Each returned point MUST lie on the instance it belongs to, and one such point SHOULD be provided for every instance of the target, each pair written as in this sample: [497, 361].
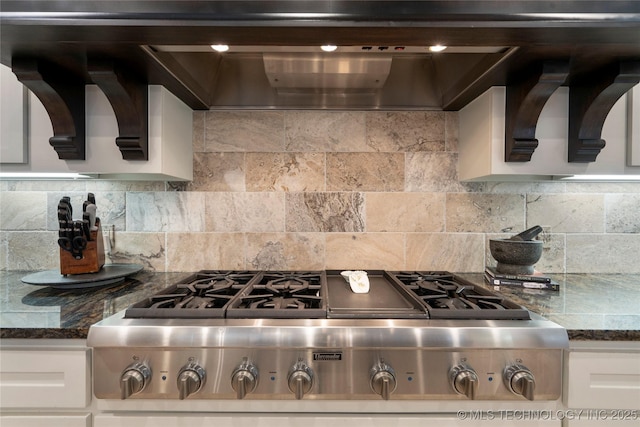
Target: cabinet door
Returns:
[312, 420]
[604, 380]
[44, 379]
[603, 420]
[51, 420]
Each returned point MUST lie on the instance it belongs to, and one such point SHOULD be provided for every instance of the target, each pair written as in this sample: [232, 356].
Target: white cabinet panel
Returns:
[602, 380]
[44, 379]
[13, 118]
[48, 420]
[633, 123]
[604, 421]
[347, 420]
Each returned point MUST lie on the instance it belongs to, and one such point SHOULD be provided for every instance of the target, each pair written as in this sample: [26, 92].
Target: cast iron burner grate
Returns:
[205, 294]
[282, 295]
[447, 296]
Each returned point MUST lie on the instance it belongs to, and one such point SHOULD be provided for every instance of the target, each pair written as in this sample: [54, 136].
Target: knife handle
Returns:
[91, 210]
[86, 227]
[66, 202]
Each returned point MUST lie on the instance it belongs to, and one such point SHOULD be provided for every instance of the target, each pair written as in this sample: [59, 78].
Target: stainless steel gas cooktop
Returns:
[305, 334]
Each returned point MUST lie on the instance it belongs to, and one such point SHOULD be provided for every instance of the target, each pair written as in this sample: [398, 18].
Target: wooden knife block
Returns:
[92, 256]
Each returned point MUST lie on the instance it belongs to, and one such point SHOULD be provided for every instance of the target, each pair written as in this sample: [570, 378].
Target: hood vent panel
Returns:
[311, 72]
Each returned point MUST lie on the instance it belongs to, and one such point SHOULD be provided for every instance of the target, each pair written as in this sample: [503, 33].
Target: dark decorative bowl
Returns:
[515, 257]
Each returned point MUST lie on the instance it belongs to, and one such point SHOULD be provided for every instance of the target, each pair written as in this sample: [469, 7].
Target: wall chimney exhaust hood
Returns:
[351, 77]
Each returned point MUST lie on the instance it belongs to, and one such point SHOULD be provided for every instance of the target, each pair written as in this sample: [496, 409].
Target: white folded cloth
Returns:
[357, 280]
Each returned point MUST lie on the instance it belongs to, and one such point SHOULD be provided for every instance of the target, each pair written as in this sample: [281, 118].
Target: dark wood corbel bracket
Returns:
[524, 103]
[63, 98]
[589, 104]
[129, 99]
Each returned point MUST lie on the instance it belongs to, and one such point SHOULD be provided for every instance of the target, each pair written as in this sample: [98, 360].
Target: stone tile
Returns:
[328, 212]
[52, 185]
[107, 186]
[603, 253]
[567, 213]
[235, 212]
[622, 212]
[406, 131]
[578, 321]
[445, 251]
[147, 249]
[199, 118]
[524, 187]
[111, 208]
[285, 172]
[414, 212]
[365, 171]
[218, 172]
[285, 251]
[205, 251]
[170, 211]
[33, 250]
[553, 254]
[482, 213]
[603, 187]
[435, 172]
[625, 322]
[363, 251]
[451, 124]
[23, 210]
[244, 131]
[325, 131]
[3, 250]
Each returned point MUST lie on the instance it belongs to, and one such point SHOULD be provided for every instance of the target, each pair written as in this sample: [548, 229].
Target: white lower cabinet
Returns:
[45, 383]
[48, 420]
[602, 384]
[311, 420]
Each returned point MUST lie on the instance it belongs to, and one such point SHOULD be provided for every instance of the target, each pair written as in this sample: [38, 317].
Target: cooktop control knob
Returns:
[134, 379]
[300, 379]
[244, 379]
[520, 380]
[464, 380]
[190, 380]
[383, 380]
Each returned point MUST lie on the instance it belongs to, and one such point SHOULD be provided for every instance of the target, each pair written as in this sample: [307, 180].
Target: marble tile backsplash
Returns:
[328, 189]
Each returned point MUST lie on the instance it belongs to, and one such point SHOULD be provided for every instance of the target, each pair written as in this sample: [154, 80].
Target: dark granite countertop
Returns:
[590, 306]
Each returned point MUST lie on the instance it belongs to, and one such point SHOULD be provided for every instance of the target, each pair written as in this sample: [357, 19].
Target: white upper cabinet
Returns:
[482, 145]
[170, 141]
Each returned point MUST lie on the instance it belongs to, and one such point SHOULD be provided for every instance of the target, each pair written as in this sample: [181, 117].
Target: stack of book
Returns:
[529, 281]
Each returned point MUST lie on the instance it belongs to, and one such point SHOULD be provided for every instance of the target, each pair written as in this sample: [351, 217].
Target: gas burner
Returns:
[282, 295]
[447, 296]
[205, 294]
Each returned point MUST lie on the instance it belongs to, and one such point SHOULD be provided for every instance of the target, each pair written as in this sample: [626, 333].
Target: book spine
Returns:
[501, 276]
[522, 283]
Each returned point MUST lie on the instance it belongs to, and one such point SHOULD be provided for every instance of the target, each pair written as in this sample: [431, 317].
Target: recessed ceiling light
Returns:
[329, 47]
[437, 48]
[220, 47]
